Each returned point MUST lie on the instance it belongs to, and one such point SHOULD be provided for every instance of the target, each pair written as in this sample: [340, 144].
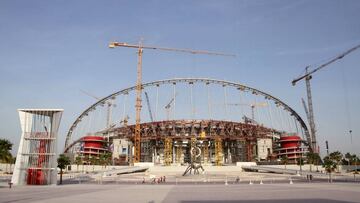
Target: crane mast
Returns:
[149, 107]
[308, 77]
[311, 111]
[137, 138]
[305, 108]
[140, 47]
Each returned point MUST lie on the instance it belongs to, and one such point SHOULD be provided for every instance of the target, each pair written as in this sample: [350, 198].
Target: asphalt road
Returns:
[267, 193]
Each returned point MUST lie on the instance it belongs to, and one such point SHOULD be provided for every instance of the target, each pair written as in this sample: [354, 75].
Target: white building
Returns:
[36, 162]
[264, 148]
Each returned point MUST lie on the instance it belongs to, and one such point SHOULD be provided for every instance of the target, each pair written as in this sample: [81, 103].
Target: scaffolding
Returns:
[206, 151]
[179, 152]
[168, 152]
[213, 140]
[218, 151]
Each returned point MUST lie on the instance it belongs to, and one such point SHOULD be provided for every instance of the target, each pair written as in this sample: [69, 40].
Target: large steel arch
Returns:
[206, 81]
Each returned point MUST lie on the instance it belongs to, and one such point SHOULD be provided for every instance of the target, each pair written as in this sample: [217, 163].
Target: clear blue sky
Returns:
[51, 49]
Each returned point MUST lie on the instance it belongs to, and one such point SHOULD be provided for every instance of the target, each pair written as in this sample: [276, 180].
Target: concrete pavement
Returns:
[268, 193]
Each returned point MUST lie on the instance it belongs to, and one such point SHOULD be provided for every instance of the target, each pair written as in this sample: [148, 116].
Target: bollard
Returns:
[250, 183]
[10, 184]
[291, 182]
[261, 182]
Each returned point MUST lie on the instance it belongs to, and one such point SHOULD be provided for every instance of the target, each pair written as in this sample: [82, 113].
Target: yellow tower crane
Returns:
[140, 47]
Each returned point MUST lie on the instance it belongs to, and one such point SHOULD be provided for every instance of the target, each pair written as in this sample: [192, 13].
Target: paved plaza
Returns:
[212, 176]
[266, 193]
[227, 186]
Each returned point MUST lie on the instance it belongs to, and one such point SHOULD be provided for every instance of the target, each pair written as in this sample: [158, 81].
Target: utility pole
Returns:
[327, 147]
[140, 47]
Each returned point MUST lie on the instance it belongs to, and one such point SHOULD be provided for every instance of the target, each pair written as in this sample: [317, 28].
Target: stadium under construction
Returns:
[175, 141]
[195, 122]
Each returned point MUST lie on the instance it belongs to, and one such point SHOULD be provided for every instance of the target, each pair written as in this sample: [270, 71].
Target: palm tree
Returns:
[317, 161]
[86, 161]
[312, 158]
[284, 160]
[5, 155]
[357, 160]
[336, 157]
[78, 161]
[63, 161]
[329, 165]
[350, 159]
[300, 162]
[5, 148]
[105, 159]
[347, 160]
[94, 161]
[108, 157]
